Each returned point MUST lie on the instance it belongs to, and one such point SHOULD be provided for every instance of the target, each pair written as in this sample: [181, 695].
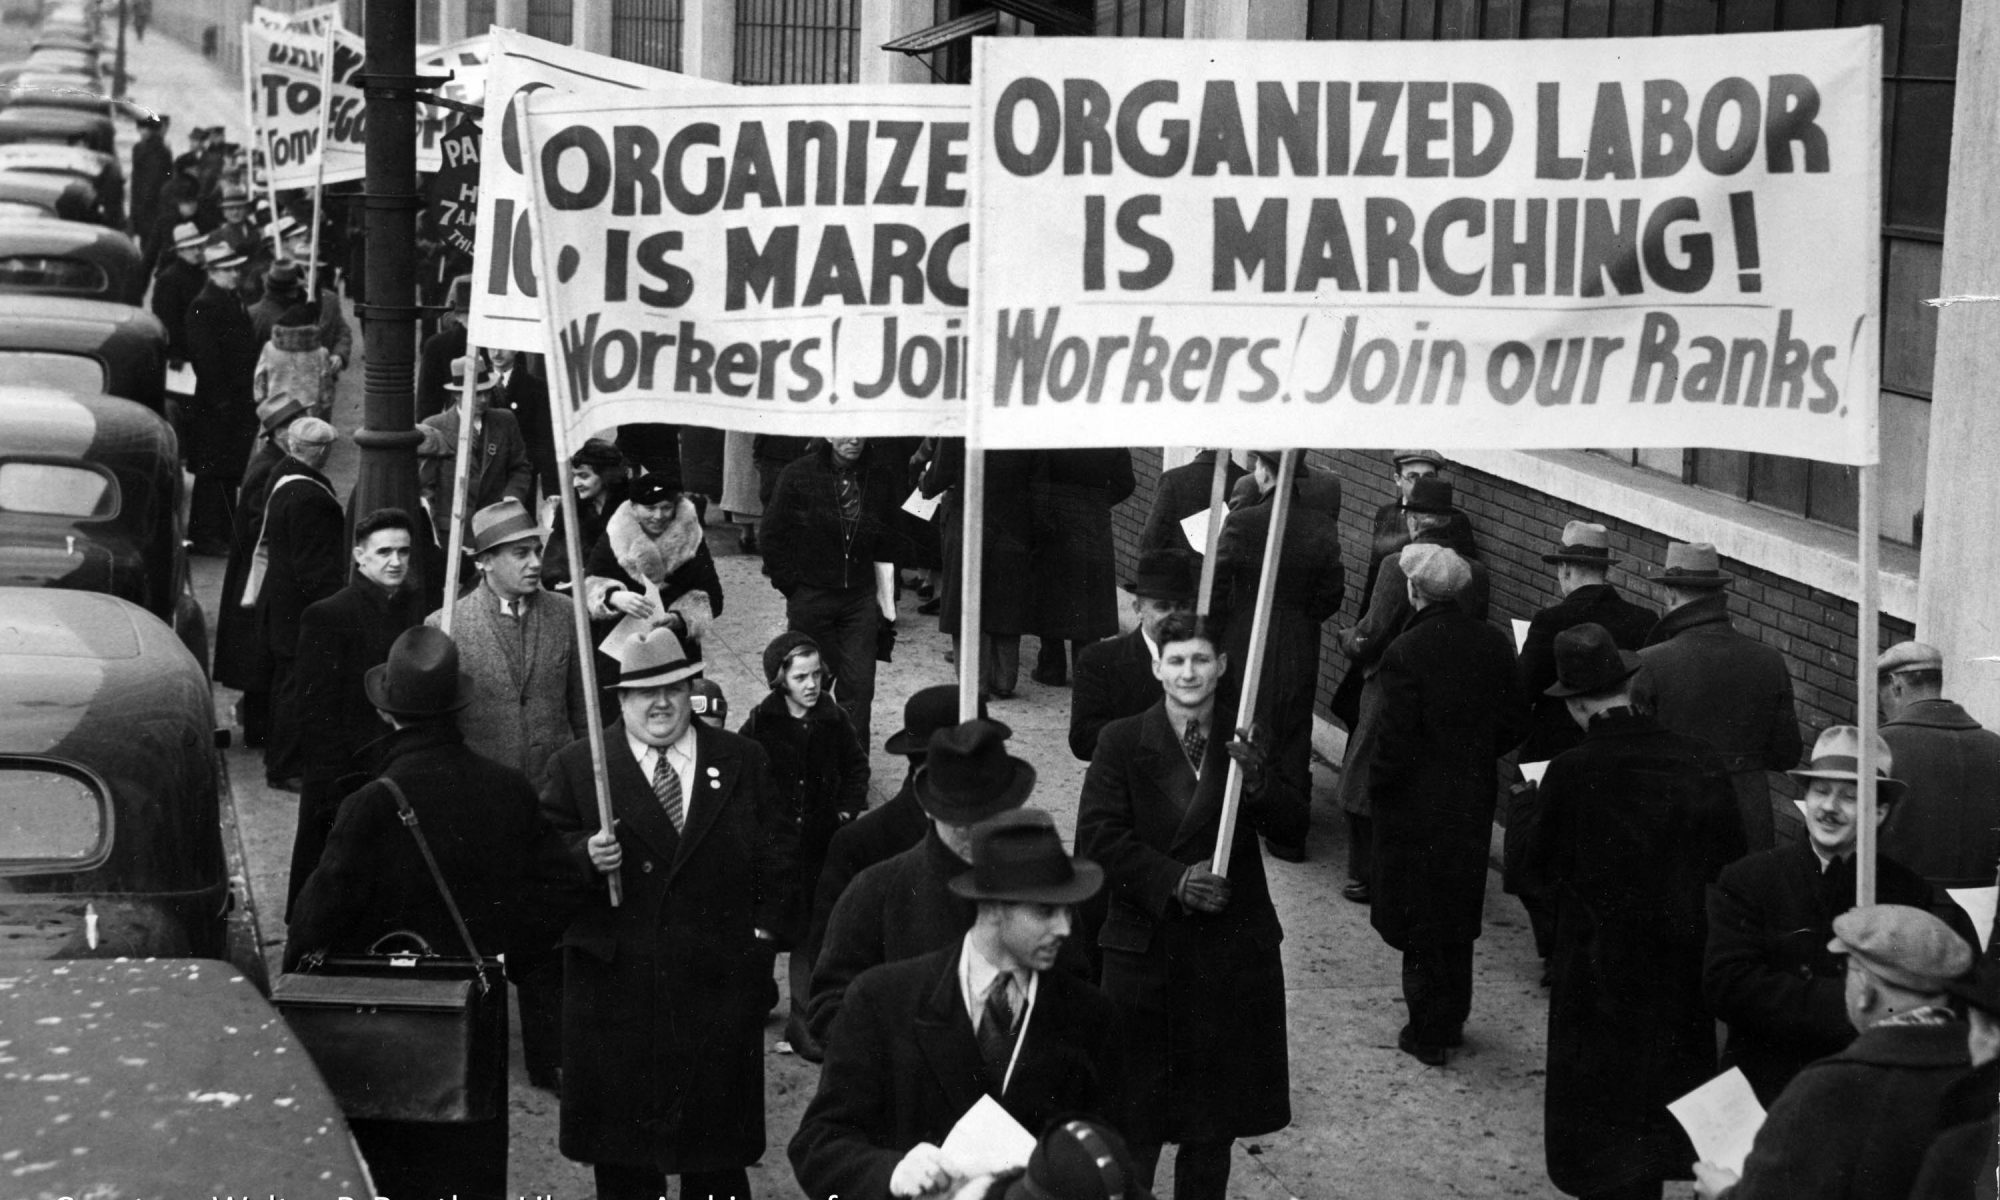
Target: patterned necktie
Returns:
[996, 1028]
[667, 786]
[1195, 742]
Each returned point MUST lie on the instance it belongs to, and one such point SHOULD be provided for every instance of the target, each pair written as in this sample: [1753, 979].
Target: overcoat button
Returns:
[647, 866]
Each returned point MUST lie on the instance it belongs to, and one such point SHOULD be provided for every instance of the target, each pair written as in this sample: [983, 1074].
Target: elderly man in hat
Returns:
[303, 535]
[919, 1042]
[1431, 519]
[1964, 1159]
[1766, 972]
[1636, 823]
[1947, 827]
[1190, 955]
[1114, 677]
[500, 466]
[1182, 492]
[1855, 1125]
[220, 419]
[490, 843]
[662, 1038]
[903, 906]
[1703, 677]
[180, 280]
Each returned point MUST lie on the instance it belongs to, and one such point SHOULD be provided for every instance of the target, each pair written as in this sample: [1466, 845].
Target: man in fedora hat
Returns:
[662, 1009]
[1114, 677]
[220, 419]
[1189, 955]
[904, 906]
[1182, 492]
[1701, 676]
[179, 281]
[1430, 518]
[500, 465]
[1635, 823]
[1582, 560]
[1766, 971]
[1856, 1124]
[494, 850]
[919, 1042]
[1947, 827]
[303, 532]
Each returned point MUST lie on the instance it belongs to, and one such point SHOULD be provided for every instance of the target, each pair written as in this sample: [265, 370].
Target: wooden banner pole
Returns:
[1253, 671]
[319, 172]
[1867, 622]
[972, 560]
[461, 484]
[560, 405]
[1218, 501]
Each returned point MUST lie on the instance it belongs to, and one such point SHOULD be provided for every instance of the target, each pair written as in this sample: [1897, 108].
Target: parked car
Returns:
[164, 1077]
[26, 193]
[83, 346]
[96, 168]
[67, 258]
[114, 841]
[31, 120]
[90, 499]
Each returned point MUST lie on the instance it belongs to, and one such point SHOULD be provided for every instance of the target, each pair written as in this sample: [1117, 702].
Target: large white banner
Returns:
[782, 260]
[505, 310]
[1639, 242]
[465, 62]
[298, 81]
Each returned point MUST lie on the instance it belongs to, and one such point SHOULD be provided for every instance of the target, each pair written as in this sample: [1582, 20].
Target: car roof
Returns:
[41, 156]
[63, 120]
[164, 1077]
[70, 659]
[64, 323]
[83, 425]
[39, 235]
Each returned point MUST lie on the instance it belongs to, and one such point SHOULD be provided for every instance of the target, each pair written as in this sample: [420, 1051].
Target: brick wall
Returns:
[1516, 525]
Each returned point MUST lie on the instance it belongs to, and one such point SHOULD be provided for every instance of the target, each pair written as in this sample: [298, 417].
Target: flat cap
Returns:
[1904, 946]
[1909, 656]
[1436, 571]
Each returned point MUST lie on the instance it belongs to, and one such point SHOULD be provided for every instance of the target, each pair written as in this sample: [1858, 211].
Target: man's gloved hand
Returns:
[1251, 749]
[922, 1170]
[1202, 890]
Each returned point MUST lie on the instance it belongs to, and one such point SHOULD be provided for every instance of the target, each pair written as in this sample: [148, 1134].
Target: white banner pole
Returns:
[1218, 501]
[1867, 622]
[461, 483]
[972, 565]
[1253, 671]
[319, 171]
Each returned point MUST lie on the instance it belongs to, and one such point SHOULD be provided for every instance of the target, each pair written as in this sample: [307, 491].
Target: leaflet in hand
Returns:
[920, 506]
[1722, 1118]
[1978, 904]
[987, 1140]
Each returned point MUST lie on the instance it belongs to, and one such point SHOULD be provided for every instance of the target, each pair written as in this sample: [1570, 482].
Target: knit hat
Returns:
[781, 649]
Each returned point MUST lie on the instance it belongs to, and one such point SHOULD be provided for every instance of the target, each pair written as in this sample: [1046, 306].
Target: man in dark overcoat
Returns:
[152, 166]
[341, 639]
[663, 1006]
[1451, 706]
[302, 531]
[1114, 677]
[1310, 585]
[1855, 1125]
[919, 1042]
[1189, 955]
[220, 420]
[904, 907]
[1766, 971]
[1947, 827]
[1430, 517]
[1636, 823]
[500, 465]
[1700, 676]
[179, 281]
[1180, 493]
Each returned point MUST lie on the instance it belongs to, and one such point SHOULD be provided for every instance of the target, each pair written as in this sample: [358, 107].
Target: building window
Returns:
[427, 21]
[1141, 18]
[1920, 63]
[647, 32]
[478, 16]
[796, 41]
[550, 20]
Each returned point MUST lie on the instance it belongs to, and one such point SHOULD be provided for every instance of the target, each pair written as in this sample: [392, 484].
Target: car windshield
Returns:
[48, 817]
[56, 489]
[49, 368]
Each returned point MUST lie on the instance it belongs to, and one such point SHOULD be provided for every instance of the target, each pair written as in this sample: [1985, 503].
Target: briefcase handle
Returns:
[409, 816]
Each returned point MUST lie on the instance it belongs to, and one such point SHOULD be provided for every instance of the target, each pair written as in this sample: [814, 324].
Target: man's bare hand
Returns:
[605, 853]
[1203, 890]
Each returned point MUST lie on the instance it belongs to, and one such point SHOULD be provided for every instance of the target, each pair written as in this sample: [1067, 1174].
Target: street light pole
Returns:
[118, 74]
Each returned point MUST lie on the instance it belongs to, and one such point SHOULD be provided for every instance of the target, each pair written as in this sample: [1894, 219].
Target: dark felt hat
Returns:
[1584, 542]
[927, 711]
[1078, 1160]
[1165, 575]
[1589, 662]
[1430, 495]
[1018, 857]
[501, 522]
[597, 454]
[968, 775]
[656, 488]
[1692, 565]
[420, 678]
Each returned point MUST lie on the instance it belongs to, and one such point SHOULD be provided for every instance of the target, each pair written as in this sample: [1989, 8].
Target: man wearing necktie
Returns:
[662, 1037]
[919, 1042]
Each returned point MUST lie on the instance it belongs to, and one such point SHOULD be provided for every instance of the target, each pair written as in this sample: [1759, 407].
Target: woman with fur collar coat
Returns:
[655, 537]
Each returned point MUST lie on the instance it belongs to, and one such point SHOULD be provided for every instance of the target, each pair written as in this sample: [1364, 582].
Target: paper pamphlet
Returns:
[1194, 527]
[1978, 904]
[920, 506]
[1520, 636]
[987, 1139]
[1722, 1118]
[629, 627]
[180, 380]
[1533, 772]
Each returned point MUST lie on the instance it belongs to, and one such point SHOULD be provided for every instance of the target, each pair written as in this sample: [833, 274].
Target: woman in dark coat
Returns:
[1075, 568]
[821, 777]
[601, 480]
[1006, 601]
[220, 420]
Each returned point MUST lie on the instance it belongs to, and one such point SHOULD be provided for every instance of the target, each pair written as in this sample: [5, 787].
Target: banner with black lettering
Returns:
[298, 82]
[784, 260]
[465, 63]
[1639, 242]
[506, 311]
